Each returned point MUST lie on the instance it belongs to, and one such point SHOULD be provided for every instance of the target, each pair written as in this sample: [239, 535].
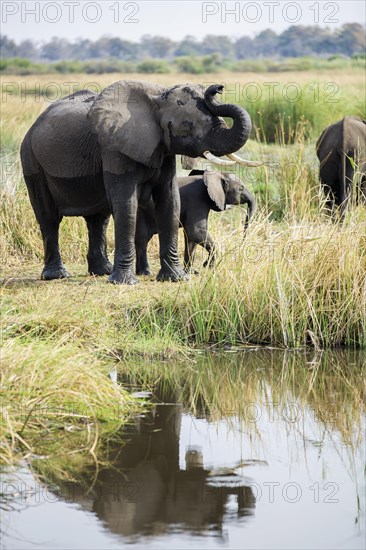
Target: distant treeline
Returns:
[296, 41]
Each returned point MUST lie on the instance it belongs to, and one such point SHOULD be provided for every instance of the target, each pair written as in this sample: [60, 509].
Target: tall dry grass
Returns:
[287, 286]
[289, 283]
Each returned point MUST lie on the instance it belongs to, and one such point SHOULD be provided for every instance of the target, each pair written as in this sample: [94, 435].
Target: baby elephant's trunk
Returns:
[248, 199]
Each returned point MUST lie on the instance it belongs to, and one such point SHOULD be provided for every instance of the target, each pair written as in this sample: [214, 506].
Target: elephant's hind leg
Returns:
[209, 245]
[197, 233]
[142, 238]
[49, 219]
[98, 262]
[142, 263]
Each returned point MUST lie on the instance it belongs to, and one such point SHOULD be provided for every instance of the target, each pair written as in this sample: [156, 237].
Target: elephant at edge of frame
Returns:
[341, 150]
[94, 155]
[200, 192]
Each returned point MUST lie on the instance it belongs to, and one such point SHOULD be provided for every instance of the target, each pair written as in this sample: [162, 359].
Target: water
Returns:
[259, 450]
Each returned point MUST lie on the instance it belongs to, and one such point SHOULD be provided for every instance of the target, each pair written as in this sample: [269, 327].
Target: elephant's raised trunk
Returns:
[223, 140]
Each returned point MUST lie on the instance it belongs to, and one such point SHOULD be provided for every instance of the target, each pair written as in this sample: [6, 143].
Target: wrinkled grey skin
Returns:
[340, 141]
[94, 155]
[200, 192]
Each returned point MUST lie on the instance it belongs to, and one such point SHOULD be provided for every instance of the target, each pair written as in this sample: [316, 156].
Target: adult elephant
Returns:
[200, 192]
[341, 150]
[94, 155]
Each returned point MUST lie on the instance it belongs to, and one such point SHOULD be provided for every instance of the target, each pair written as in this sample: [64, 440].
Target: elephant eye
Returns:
[179, 102]
[188, 124]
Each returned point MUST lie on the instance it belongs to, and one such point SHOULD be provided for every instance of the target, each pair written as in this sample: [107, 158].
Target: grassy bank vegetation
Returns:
[185, 64]
[296, 280]
[55, 401]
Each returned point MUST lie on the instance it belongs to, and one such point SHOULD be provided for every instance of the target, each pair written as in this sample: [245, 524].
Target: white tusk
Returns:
[217, 160]
[244, 162]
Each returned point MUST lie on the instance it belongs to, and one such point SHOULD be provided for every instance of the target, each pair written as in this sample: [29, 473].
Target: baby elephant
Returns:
[200, 192]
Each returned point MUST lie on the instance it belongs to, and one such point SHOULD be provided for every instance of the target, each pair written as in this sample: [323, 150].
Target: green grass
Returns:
[283, 113]
[208, 64]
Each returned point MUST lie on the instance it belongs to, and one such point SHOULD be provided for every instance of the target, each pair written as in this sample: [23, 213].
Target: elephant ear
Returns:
[215, 188]
[123, 117]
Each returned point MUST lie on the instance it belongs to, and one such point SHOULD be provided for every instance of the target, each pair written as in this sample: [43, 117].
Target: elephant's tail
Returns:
[30, 165]
[347, 173]
[342, 196]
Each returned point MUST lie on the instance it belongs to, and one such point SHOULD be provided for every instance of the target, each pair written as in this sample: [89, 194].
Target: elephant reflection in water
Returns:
[145, 491]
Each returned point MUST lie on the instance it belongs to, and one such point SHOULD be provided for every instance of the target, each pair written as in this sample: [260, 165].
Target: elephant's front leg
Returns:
[122, 197]
[167, 208]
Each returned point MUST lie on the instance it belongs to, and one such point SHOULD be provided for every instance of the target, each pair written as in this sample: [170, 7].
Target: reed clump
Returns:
[288, 286]
[57, 399]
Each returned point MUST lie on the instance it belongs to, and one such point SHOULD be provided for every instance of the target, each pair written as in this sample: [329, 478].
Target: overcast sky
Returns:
[41, 20]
